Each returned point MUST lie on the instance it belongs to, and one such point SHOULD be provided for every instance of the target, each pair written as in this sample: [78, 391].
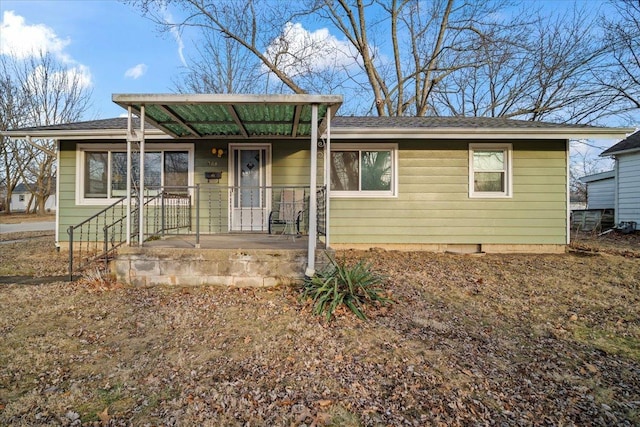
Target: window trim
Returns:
[392, 147]
[507, 148]
[81, 149]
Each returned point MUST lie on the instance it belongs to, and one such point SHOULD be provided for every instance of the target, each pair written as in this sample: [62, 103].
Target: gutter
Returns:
[80, 134]
[616, 153]
[479, 133]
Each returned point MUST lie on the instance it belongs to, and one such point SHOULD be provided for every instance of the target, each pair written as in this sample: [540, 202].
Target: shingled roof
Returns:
[116, 123]
[119, 123]
[630, 143]
[353, 125]
[446, 122]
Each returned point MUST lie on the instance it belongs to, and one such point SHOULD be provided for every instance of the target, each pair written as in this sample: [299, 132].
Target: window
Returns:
[363, 170]
[490, 170]
[21, 197]
[104, 170]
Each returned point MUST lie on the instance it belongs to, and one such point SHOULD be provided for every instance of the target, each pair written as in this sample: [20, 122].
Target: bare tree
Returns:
[220, 66]
[585, 161]
[41, 91]
[12, 153]
[403, 57]
[622, 34]
[541, 71]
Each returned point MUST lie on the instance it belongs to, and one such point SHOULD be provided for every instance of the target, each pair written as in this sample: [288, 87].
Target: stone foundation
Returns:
[228, 267]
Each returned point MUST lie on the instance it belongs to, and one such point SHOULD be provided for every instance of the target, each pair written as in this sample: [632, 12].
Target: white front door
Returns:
[250, 197]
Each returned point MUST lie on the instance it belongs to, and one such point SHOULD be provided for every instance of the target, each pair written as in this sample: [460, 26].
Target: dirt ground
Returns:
[18, 217]
[471, 340]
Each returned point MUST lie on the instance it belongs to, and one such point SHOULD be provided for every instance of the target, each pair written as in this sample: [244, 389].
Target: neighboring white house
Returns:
[600, 190]
[21, 196]
[626, 154]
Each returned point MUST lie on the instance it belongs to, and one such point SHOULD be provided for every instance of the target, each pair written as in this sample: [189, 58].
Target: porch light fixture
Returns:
[217, 152]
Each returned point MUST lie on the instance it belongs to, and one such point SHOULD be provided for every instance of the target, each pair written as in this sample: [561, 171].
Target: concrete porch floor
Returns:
[234, 241]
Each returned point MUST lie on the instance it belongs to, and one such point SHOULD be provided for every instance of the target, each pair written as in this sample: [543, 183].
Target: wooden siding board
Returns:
[628, 208]
[601, 194]
[432, 208]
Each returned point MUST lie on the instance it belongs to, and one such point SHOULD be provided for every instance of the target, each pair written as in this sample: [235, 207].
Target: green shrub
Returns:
[339, 284]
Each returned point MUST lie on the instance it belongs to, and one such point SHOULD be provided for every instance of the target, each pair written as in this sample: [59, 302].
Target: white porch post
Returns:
[313, 198]
[141, 181]
[327, 177]
[129, 164]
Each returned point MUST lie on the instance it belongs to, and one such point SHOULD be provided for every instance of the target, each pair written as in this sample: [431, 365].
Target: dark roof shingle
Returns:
[116, 123]
[120, 123]
[446, 122]
[632, 142]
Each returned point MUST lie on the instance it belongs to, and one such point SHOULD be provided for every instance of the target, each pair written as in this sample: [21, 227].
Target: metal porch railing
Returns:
[100, 235]
[203, 208]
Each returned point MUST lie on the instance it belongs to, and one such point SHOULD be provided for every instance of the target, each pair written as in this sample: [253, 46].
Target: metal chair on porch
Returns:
[288, 211]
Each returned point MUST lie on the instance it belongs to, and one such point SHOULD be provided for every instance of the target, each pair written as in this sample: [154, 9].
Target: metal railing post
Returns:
[162, 219]
[70, 232]
[198, 216]
[106, 248]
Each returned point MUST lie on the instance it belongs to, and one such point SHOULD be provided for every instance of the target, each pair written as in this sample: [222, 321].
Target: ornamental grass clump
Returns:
[352, 286]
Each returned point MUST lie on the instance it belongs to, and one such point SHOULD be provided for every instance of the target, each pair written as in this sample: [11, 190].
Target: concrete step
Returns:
[227, 267]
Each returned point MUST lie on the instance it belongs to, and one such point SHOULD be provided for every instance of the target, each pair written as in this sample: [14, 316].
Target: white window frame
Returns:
[507, 148]
[81, 149]
[392, 147]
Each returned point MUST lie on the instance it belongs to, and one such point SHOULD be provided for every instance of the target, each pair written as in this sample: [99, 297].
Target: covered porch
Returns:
[239, 208]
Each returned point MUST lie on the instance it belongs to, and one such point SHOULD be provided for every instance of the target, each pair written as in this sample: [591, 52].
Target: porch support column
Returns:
[327, 177]
[313, 197]
[129, 164]
[141, 181]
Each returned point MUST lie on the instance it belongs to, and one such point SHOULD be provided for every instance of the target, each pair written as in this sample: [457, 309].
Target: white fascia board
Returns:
[477, 133]
[200, 98]
[597, 176]
[617, 153]
[82, 134]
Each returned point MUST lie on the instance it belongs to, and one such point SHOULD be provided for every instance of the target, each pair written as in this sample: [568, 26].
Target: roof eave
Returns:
[479, 133]
[82, 134]
[125, 99]
[608, 153]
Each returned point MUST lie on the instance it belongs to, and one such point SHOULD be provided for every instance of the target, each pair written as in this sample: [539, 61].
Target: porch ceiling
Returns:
[228, 116]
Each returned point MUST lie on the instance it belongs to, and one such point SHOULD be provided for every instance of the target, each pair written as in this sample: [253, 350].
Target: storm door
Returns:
[250, 194]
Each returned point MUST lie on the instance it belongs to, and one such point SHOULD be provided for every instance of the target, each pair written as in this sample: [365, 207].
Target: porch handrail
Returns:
[100, 235]
[92, 253]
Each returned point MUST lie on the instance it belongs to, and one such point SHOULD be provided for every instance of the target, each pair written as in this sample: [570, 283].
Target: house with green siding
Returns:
[289, 168]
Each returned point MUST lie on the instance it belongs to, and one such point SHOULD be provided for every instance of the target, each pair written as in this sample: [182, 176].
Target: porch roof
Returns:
[231, 116]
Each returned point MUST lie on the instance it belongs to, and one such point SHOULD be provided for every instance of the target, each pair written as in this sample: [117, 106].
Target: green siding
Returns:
[432, 206]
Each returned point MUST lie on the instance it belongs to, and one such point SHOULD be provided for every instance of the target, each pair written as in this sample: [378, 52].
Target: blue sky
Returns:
[115, 47]
[103, 38]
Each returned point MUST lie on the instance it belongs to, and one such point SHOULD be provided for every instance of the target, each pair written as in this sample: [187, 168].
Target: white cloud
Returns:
[136, 71]
[82, 74]
[22, 40]
[77, 77]
[175, 32]
[298, 51]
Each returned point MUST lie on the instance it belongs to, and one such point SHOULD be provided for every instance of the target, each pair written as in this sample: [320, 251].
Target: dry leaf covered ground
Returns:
[497, 339]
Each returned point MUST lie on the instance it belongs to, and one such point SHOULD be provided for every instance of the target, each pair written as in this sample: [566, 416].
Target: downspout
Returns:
[58, 195]
[141, 181]
[568, 191]
[313, 197]
[616, 183]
